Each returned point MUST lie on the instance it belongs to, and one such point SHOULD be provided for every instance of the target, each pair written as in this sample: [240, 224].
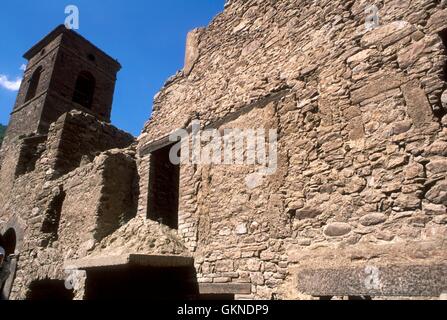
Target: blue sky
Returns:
[146, 36]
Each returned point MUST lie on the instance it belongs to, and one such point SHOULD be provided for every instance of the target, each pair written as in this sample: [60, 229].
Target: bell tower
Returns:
[65, 72]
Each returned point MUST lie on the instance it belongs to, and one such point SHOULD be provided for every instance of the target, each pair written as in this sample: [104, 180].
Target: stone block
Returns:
[404, 280]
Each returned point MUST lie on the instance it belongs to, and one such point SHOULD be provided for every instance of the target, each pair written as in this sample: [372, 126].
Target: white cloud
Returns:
[23, 67]
[8, 84]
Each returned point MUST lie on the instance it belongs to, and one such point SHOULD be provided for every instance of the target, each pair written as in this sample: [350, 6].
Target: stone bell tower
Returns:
[65, 72]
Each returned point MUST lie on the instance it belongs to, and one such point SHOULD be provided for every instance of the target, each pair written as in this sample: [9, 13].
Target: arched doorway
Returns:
[9, 242]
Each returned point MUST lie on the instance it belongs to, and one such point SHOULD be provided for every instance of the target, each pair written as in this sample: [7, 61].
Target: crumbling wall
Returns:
[65, 188]
[66, 218]
[99, 199]
[78, 138]
[119, 193]
[30, 151]
[362, 138]
[240, 229]
[65, 214]
[361, 175]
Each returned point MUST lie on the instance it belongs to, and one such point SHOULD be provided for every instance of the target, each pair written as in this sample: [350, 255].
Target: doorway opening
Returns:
[9, 241]
[142, 283]
[164, 188]
[49, 290]
[442, 110]
[443, 35]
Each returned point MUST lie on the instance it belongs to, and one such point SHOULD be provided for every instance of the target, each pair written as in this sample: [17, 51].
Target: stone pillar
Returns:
[143, 172]
[192, 50]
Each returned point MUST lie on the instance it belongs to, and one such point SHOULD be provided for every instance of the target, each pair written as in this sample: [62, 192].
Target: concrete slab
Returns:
[225, 288]
[131, 260]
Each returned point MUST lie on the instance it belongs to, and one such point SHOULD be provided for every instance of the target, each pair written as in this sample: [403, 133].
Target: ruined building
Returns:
[356, 206]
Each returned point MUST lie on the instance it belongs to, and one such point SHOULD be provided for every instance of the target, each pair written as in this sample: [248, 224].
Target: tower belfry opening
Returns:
[33, 84]
[84, 90]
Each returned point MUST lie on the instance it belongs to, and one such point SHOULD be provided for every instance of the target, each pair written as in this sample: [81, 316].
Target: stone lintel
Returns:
[155, 261]
[404, 280]
[156, 145]
[225, 288]
[162, 142]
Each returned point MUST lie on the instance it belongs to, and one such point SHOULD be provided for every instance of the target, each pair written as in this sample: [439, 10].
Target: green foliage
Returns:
[2, 132]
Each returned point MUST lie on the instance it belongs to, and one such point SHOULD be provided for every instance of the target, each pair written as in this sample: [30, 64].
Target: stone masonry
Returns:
[357, 206]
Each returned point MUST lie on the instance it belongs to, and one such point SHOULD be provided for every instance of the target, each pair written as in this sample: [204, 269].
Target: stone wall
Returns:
[76, 55]
[253, 49]
[30, 151]
[362, 138]
[361, 175]
[91, 202]
[26, 115]
[61, 56]
[79, 137]
[63, 215]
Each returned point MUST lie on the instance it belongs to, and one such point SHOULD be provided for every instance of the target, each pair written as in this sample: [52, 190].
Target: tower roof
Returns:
[61, 29]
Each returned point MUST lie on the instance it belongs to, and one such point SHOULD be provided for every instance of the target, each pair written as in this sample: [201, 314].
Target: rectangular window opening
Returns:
[164, 188]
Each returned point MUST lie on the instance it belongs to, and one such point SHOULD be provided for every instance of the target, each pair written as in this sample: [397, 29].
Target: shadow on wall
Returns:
[136, 283]
[49, 290]
[442, 111]
[9, 241]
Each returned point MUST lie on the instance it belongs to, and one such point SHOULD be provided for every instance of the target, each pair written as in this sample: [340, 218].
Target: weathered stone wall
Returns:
[64, 216]
[30, 151]
[80, 137]
[361, 176]
[97, 199]
[253, 49]
[61, 56]
[26, 115]
[362, 138]
[65, 185]
[77, 55]
[9, 158]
